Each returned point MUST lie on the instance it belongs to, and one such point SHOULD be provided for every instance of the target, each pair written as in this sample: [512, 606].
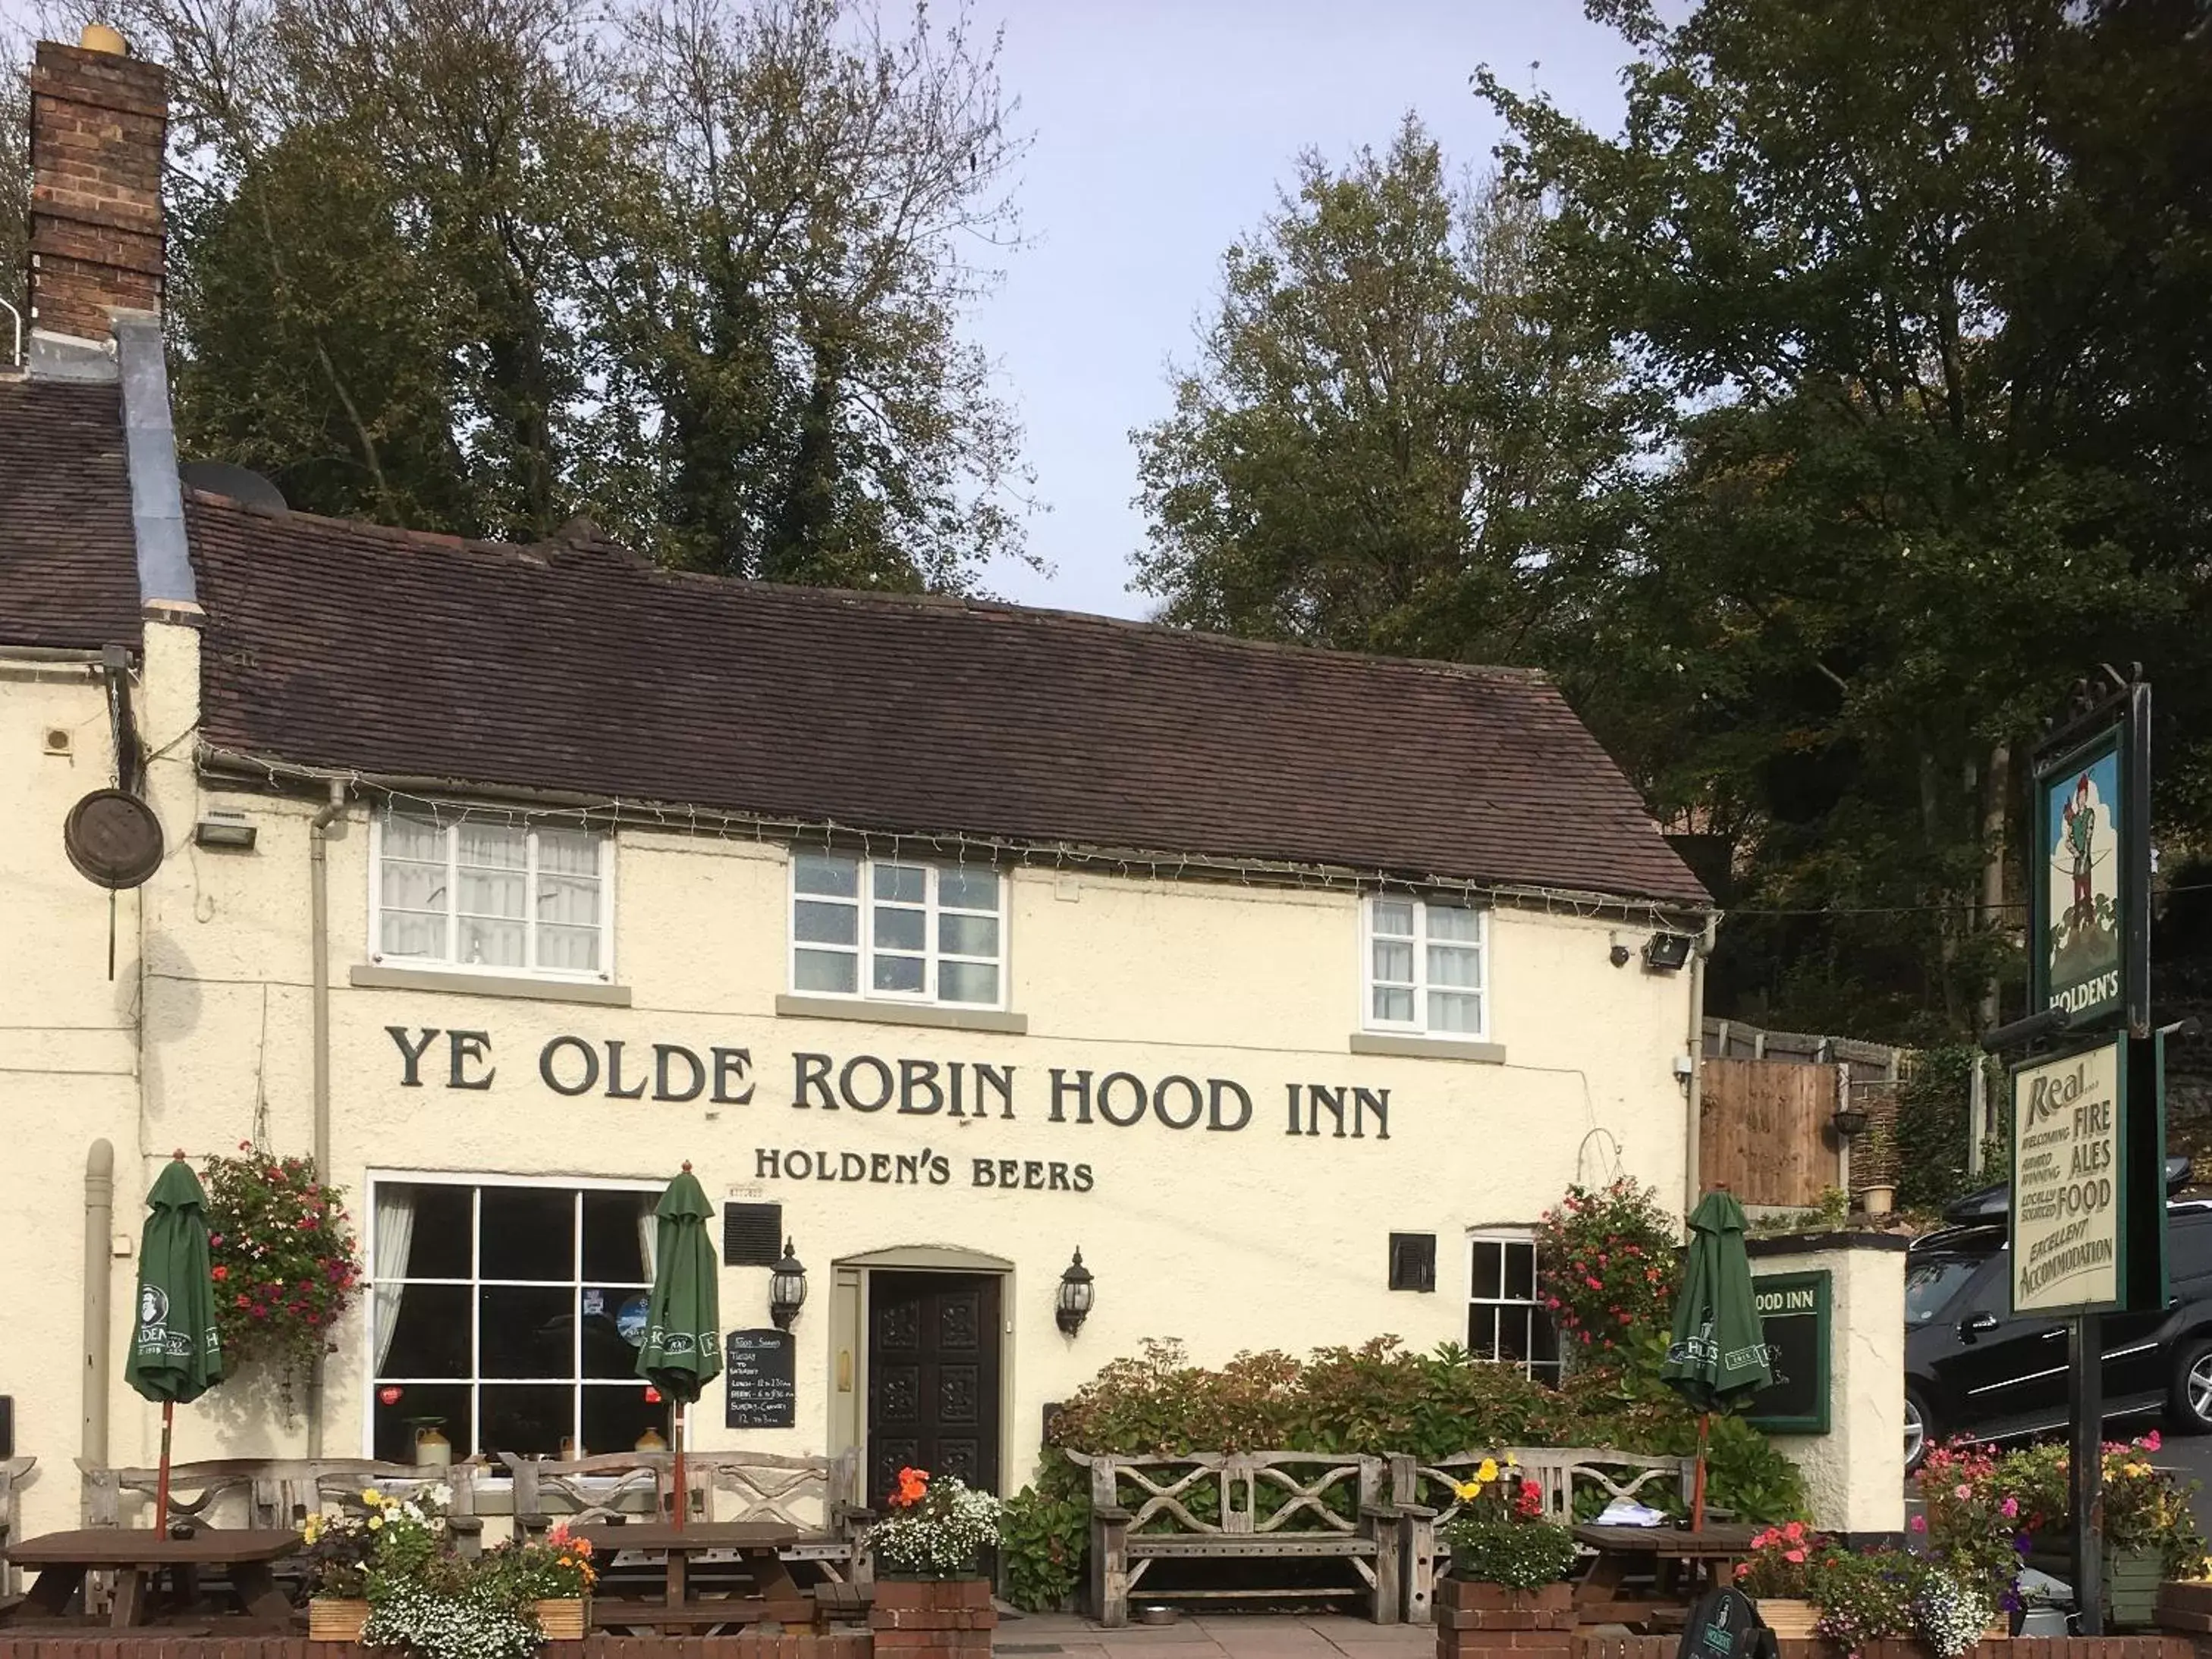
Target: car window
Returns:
[1930, 1284]
[2189, 1246]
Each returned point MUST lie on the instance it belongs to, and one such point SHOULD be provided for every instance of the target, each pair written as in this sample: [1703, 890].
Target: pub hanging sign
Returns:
[2089, 899]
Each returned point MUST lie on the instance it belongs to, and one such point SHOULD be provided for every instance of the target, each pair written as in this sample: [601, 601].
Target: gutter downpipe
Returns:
[318, 901]
[1696, 1091]
[98, 1234]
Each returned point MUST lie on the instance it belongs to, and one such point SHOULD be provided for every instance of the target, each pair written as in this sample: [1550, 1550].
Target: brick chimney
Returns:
[99, 119]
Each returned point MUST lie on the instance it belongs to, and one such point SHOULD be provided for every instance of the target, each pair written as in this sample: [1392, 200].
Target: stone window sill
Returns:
[861, 1011]
[378, 977]
[1413, 1047]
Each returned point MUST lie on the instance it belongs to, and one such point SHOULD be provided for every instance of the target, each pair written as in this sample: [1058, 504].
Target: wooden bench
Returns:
[813, 1494]
[1422, 1495]
[1240, 1506]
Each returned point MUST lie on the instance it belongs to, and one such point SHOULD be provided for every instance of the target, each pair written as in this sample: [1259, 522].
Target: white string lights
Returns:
[954, 846]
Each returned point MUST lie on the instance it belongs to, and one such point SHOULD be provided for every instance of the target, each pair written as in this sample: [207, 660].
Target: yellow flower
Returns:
[374, 1521]
[1486, 1470]
[1467, 1490]
[313, 1529]
[1511, 1461]
[370, 1496]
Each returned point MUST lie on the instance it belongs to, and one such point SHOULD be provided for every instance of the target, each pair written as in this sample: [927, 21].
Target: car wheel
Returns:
[1919, 1429]
[2190, 1406]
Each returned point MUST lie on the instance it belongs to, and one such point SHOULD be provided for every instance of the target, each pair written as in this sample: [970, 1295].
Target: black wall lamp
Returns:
[1072, 1305]
[786, 1289]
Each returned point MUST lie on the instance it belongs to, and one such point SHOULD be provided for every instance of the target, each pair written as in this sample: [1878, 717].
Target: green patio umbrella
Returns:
[683, 1321]
[175, 1354]
[1716, 1358]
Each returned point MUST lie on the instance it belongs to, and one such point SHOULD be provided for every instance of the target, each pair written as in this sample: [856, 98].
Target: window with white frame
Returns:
[494, 894]
[1506, 1321]
[509, 1315]
[879, 928]
[1426, 968]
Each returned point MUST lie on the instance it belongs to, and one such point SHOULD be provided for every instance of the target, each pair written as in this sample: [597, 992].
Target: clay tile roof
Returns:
[574, 667]
[68, 567]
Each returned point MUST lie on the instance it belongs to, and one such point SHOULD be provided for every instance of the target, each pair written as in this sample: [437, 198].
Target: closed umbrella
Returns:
[1717, 1359]
[176, 1355]
[683, 1321]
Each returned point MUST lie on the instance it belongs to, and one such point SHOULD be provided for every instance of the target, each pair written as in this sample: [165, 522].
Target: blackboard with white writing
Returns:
[759, 1390]
[1793, 1312]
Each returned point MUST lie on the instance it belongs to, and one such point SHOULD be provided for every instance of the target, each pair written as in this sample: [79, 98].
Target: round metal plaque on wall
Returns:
[114, 838]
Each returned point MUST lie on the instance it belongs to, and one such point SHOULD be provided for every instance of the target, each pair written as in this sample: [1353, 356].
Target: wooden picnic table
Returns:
[757, 1544]
[1659, 1548]
[137, 1557]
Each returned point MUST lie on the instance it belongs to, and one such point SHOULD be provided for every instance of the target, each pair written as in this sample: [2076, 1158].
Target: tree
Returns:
[14, 183]
[785, 295]
[1380, 448]
[1890, 282]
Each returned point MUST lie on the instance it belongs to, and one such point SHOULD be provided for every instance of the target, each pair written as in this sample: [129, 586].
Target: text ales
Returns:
[2069, 1126]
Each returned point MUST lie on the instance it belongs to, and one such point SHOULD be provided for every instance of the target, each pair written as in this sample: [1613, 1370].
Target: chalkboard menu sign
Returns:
[759, 1390]
[1793, 1309]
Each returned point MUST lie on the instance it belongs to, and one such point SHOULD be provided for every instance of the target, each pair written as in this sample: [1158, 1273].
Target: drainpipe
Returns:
[98, 1234]
[1697, 1036]
[318, 904]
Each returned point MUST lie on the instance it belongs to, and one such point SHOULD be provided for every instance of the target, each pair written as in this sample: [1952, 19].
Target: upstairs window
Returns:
[491, 895]
[1427, 970]
[907, 933]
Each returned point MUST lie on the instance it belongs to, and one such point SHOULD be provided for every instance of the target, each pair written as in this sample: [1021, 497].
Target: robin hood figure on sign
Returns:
[2090, 870]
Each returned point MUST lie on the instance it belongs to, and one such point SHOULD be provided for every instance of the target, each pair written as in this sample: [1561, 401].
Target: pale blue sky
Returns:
[1163, 129]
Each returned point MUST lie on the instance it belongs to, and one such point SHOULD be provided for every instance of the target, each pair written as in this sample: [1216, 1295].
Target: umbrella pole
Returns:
[1697, 1487]
[682, 1491]
[161, 1485]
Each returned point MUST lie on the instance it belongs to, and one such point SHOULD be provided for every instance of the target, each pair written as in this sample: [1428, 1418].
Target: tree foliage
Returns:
[1379, 447]
[1851, 405]
[699, 268]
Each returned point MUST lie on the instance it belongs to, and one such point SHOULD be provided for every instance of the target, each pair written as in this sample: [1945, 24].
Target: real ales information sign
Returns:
[2069, 1190]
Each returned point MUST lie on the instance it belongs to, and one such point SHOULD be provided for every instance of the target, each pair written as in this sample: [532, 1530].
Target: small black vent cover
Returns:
[752, 1235]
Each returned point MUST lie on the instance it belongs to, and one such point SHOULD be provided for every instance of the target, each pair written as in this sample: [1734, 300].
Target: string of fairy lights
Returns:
[433, 800]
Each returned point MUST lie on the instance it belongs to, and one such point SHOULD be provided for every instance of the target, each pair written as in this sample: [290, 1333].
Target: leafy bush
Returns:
[1518, 1554]
[1607, 1265]
[1375, 1399]
[1932, 1126]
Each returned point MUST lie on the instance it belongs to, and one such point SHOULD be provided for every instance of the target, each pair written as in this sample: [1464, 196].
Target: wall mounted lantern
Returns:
[786, 1289]
[1072, 1305]
[1665, 953]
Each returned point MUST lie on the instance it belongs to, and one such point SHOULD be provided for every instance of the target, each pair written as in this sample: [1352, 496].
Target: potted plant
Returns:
[1866, 1598]
[552, 1576]
[1779, 1576]
[1877, 1148]
[928, 1551]
[2150, 1533]
[336, 1551]
[1502, 1546]
[424, 1598]
[1977, 1528]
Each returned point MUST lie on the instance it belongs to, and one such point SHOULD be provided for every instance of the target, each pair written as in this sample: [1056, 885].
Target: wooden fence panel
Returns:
[1763, 1130]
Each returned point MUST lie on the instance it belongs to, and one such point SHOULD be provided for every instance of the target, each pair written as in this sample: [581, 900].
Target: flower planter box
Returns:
[564, 1620]
[2131, 1582]
[332, 1620]
[1789, 1616]
[1474, 1595]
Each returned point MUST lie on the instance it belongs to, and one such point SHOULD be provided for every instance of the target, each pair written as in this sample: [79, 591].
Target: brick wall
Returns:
[153, 1644]
[949, 1619]
[99, 122]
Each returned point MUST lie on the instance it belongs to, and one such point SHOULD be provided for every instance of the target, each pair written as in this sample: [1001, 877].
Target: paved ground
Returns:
[1219, 1636]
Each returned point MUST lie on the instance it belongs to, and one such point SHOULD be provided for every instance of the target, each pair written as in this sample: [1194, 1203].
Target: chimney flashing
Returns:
[48, 356]
[166, 591]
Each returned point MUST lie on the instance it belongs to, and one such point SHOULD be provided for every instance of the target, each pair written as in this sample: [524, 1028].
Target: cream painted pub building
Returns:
[943, 939]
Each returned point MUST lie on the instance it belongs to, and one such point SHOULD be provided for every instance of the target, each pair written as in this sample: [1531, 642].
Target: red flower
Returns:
[242, 1301]
[218, 1272]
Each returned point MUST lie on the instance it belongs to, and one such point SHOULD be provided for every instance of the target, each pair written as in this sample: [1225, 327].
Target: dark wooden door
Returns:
[933, 1378]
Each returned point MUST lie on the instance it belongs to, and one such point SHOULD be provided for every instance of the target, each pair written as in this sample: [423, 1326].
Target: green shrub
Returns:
[1375, 1399]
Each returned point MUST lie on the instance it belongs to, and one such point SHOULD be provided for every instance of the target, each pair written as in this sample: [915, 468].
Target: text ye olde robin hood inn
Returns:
[944, 939]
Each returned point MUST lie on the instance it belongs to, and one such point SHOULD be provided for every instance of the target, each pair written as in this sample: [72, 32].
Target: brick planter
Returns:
[933, 1618]
[1479, 1621]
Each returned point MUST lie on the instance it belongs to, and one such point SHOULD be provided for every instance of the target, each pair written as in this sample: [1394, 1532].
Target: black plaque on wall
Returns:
[1793, 1309]
[759, 1369]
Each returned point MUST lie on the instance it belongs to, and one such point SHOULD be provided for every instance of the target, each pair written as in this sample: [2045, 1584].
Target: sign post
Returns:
[2088, 1202]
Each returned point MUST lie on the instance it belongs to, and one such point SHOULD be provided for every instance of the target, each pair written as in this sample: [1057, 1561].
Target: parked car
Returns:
[1974, 1372]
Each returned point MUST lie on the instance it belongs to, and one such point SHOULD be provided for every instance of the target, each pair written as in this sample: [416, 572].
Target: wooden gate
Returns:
[1763, 1131]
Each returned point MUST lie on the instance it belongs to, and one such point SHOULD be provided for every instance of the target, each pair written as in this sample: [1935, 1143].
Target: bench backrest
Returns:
[587, 1490]
[261, 1492]
[1237, 1493]
[812, 1493]
[1558, 1472]
[13, 1473]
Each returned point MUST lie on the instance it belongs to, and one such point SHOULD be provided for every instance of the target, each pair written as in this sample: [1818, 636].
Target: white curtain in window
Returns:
[395, 1244]
[492, 871]
[567, 900]
[648, 1231]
